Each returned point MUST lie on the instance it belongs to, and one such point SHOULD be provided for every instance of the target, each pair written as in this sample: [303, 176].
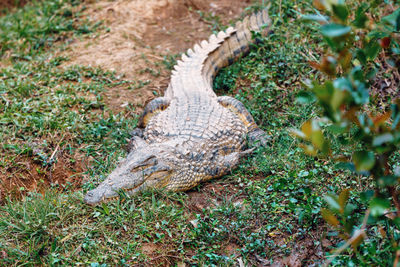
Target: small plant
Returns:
[361, 49]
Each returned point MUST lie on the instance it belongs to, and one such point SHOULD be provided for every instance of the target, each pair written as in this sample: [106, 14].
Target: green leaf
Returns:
[317, 139]
[334, 30]
[372, 49]
[332, 202]
[397, 221]
[329, 217]
[363, 160]
[395, 116]
[367, 195]
[340, 11]
[105, 209]
[345, 166]
[361, 56]
[377, 34]
[338, 97]
[360, 17]
[343, 84]
[324, 92]
[383, 138]
[349, 208]
[388, 180]
[317, 18]
[338, 128]
[371, 74]
[393, 19]
[305, 97]
[343, 197]
[360, 93]
[378, 206]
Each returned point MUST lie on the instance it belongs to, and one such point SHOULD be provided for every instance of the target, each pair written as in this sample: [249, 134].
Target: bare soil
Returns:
[6, 5]
[27, 175]
[139, 34]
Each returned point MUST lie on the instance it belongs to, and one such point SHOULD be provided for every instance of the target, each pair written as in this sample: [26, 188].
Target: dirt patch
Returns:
[198, 201]
[25, 174]
[231, 249]
[212, 194]
[157, 255]
[149, 248]
[6, 5]
[306, 250]
[139, 34]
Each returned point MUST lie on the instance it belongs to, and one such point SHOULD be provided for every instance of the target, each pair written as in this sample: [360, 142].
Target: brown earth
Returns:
[6, 5]
[26, 172]
[138, 36]
[26, 175]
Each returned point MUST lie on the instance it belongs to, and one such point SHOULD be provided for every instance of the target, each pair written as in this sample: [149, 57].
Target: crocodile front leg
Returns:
[152, 108]
[255, 134]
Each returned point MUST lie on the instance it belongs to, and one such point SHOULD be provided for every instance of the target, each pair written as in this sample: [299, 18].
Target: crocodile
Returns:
[190, 135]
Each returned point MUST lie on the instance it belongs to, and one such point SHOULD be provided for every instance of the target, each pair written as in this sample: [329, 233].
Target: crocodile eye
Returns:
[147, 163]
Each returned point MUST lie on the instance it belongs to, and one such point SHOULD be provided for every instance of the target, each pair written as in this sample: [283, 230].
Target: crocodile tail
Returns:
[236, 44]
[198, 67]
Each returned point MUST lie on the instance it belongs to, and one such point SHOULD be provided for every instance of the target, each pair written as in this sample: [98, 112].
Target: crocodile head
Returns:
[148, 166]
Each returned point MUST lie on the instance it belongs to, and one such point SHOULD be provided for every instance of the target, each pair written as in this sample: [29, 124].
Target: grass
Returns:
[266, 210]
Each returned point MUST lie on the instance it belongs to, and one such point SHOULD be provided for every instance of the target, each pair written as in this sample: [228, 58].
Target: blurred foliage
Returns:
[357, 40]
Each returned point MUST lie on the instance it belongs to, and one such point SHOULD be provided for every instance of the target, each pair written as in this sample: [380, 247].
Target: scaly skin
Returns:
[190, 135]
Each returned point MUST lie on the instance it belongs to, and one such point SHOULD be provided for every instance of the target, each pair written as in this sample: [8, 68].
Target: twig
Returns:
[55, 150]
[154, 56]
[357, 235]
[164, 256]
[396, 261]
[392, 190]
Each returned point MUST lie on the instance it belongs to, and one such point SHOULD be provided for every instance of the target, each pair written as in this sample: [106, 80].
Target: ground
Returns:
[139, 42]
[76, 75]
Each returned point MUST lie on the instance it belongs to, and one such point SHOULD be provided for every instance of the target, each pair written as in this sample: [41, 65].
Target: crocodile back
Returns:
[199, 120]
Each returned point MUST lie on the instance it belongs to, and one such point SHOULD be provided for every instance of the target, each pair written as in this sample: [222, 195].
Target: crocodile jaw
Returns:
[108, 190]
[100, 194]
[141, 169]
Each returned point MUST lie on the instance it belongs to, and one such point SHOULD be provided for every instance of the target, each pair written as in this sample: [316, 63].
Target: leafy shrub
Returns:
[360, 49]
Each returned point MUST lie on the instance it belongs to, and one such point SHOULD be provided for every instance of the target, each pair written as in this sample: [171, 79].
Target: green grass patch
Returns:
[38, 26]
